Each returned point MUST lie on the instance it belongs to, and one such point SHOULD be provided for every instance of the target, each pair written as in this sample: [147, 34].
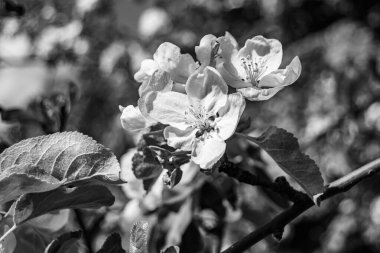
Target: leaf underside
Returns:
[32, 205]
[283, 147]
[46, 162]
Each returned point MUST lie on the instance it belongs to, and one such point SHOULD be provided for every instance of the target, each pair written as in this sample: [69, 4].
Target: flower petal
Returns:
[179, 87]
[257, 94]
[229, 115]
[204, 50]
[148, 67]
[132, 119]
[165, 107]
[185, 68]
[167, 56]
[230, 67]
[208, 149]
[170, 59]
[190, 170]
[228, 47]
[231, 76]
[159, 81]
[207, 89]
[180, 139]
[283, 77]
[232, 39]
[269, 51]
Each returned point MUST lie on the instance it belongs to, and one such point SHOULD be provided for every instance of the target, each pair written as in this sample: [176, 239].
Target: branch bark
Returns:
[281, 220]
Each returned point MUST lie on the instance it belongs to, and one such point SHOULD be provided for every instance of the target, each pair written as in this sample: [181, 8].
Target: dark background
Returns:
[334, 108]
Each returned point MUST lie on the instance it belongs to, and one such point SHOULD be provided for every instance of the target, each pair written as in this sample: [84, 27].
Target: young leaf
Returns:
[145, 166]
[65, 243]
[32, 205]
[283, 147]
[112, 245]
[172, 178]
[44, 163]
[139, 237]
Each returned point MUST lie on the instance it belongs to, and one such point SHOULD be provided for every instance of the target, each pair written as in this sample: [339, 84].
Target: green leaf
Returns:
[65, 243]
[145, 166]
[283, 147]
[139, 237]
[112, 245]
[32, 205]
[44, 163]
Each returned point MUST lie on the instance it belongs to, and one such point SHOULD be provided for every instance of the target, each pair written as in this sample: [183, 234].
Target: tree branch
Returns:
[281, 220]
[346, 182]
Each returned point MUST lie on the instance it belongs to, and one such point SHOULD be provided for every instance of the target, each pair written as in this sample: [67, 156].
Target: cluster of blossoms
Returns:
[193, 97]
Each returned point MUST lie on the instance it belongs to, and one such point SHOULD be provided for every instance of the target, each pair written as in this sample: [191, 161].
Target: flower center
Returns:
[197, 117]
[254, 67]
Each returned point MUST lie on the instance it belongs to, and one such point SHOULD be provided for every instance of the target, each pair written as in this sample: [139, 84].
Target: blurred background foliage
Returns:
[67, 65]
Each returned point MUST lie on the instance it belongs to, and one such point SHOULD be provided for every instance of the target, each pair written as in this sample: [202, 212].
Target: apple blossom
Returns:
[253, 70]
[168, 58]
[169, 70]
[131, 117]
[199, 121]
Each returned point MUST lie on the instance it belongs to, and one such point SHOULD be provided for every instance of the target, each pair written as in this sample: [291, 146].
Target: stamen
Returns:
[198, 118]
[254, 68]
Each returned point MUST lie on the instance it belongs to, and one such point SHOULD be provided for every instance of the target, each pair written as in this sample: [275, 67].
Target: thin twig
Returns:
[345, 183]
[281, 220]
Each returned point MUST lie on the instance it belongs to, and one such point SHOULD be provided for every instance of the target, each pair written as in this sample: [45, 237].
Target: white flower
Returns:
[167, 71]
[253, 70]
[167, 58]
[204, 50]
[131, 117]
[199, 121]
